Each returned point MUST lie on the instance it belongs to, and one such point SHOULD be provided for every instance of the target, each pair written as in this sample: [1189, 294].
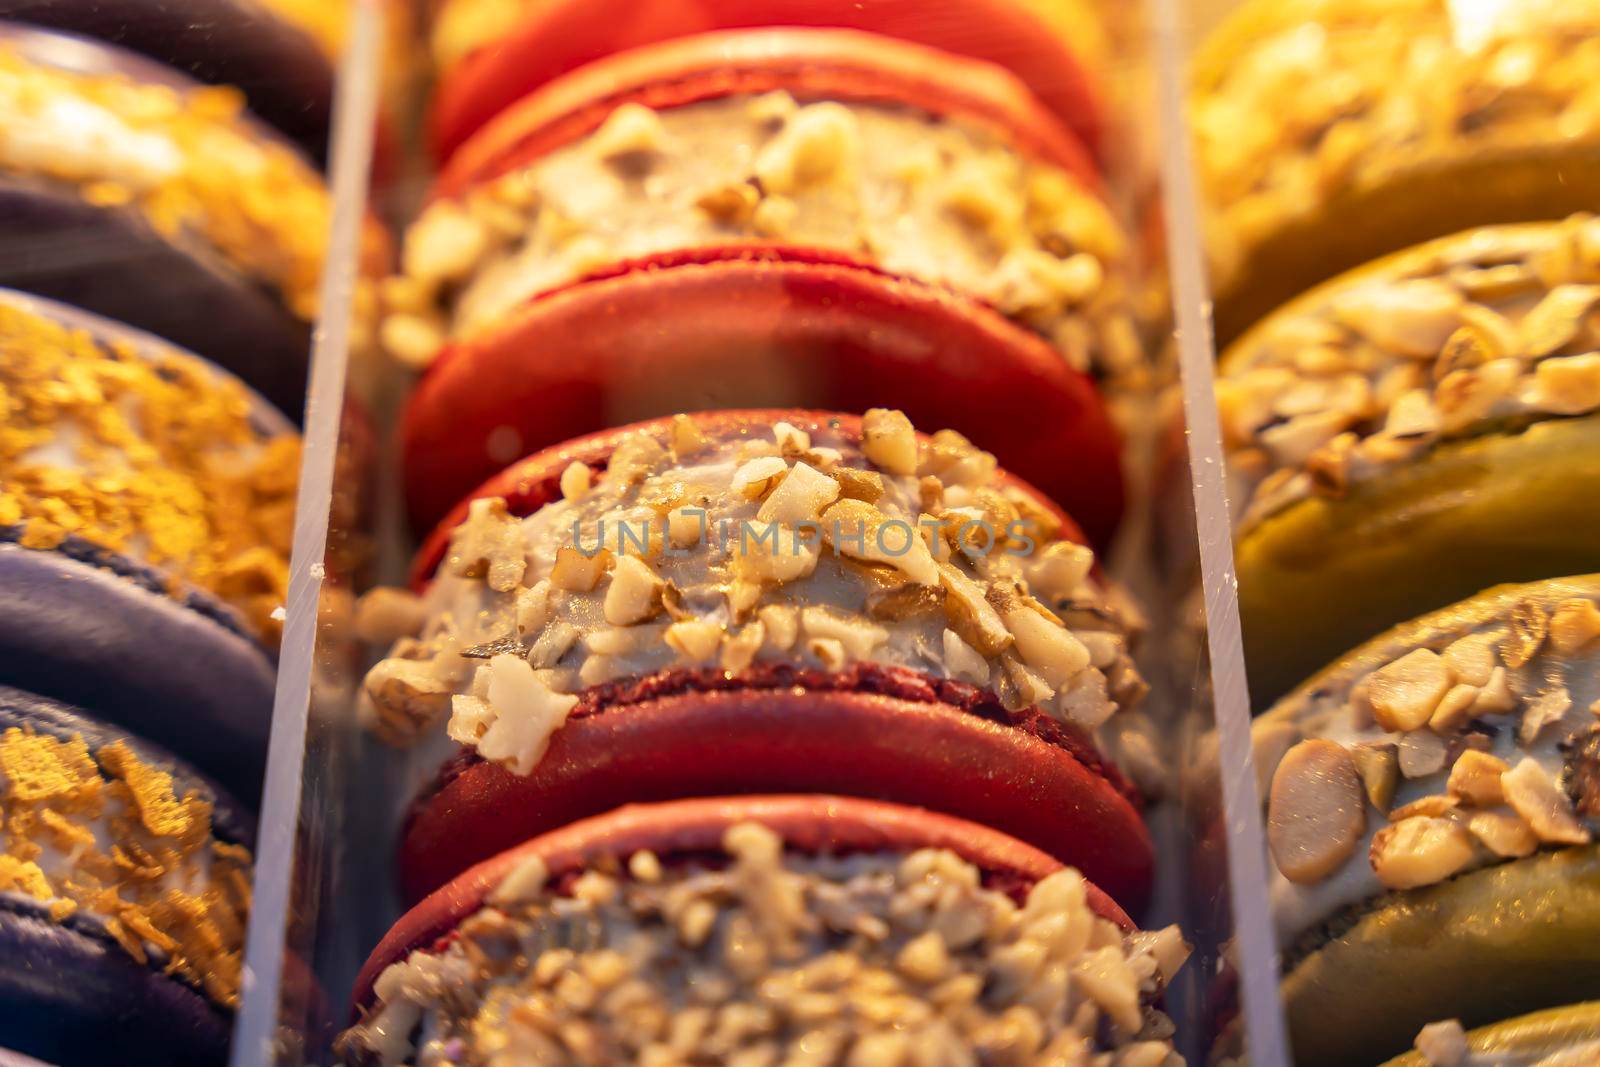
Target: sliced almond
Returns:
[1420, 851]
[1475, 778]
[1534, 795]
[1503, 832]
[1405, 693]
[1316, 813]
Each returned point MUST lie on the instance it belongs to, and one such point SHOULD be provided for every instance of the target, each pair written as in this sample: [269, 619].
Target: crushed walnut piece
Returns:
[102, 834]
[1399, 84]
[778, 957]
[929, 197]
[750, 550]
[146, 452]
[1375, 369]
[1511, 772]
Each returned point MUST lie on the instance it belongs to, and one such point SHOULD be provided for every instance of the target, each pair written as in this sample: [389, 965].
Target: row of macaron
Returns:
[146, 498]
[1400, 438]
[914, 647]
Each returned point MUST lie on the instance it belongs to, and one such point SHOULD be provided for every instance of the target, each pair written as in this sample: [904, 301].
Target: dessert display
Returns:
[767, 929]
[817, 217]
[145, 514]
[1559, 1037]
[130, 191]
[1331, 132]
[491, 53]
[1430, 819]
[843, 605]
[1410, 433]
[124, 887]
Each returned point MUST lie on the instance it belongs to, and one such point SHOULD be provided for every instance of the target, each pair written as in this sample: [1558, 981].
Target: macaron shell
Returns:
[74, 999]
[561, 35]
[286, 77]
[1325, 574]
[531, 483]
[1505, 939]
[1525, 1040]
[808, 823]
[743, 327]
[110, 261]
[860, 744]
[99, 632]
[841, 65]
[1436, 195]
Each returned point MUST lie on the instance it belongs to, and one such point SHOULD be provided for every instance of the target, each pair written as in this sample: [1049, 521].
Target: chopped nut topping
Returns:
[1415, 352]
[1316, 815]
[742, 555]
[874, 958]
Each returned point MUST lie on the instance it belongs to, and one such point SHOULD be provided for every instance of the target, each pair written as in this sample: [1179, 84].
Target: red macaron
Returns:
[871, 729]
[741, 327]
[692, 830]
[554, 38]
[732, 318]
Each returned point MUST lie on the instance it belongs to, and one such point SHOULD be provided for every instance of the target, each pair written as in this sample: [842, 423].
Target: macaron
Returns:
[792, 213]
[727, 930]
[274, 51]
[1410, 433]
[146, 502]
[493, 54]
[1430, 821]
[842, 605]
[1559, 1037]
[1425, 117]
[131, 191]
[124, 888]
